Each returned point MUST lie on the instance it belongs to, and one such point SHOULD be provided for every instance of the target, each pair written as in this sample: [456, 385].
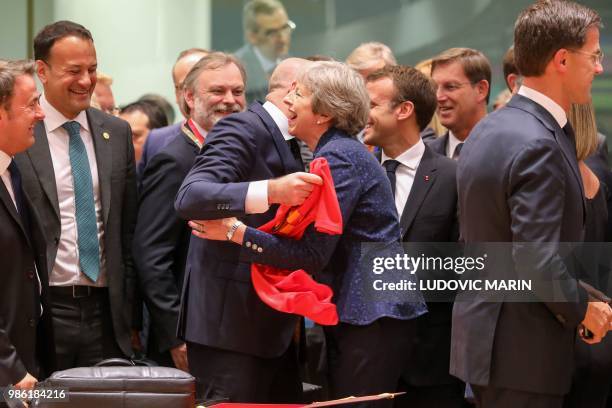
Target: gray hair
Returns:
[255, 7]
[9, 71]
[368, 54]
[339, 92]
[212, 61]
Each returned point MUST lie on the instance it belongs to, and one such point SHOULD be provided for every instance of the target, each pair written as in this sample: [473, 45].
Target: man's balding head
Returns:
[281, 79]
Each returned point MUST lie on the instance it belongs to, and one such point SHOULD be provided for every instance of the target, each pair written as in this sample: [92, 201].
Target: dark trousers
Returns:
[439, 396]
[245, 378]
[82, 327]
[365, 360]
[503, 398]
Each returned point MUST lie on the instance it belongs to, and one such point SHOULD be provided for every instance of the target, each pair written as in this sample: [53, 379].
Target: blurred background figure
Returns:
[511, 74]
[103, 94]
[162, 102]
[143, 116]
[502, 99]
[434, 128]
[370, 57]
[267, 32]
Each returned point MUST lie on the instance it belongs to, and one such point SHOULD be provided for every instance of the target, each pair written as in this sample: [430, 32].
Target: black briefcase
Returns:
[127, 386]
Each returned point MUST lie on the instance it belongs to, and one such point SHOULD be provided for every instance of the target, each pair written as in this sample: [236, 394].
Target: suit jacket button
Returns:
[56, 240]
[260, 250]
[254, 247]
[218, 206]
[31, 274]
[248, 244]
[32, 322]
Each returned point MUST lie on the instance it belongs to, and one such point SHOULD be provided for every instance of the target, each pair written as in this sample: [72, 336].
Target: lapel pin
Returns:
[426, 178]
[105, 135]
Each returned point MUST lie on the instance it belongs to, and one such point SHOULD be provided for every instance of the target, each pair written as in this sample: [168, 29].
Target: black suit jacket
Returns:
[519, 183]
[219, 305]
[438, 144]
[161, 239]
[112, 139]
[430, 216]
[26, 344]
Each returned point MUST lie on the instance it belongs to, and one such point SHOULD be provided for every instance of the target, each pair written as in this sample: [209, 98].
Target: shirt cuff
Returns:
[256, 201]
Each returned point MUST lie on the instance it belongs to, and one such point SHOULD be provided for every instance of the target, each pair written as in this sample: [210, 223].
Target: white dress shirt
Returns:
[66, 270]
[405, 172]
[452, 144]
[5, 174]
[551, 106]
[256, 201]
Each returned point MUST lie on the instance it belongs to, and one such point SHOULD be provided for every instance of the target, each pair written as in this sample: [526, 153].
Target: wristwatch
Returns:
[232, 230]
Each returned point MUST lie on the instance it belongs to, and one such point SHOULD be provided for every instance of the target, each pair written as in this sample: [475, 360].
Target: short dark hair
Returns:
[9, 71]
[547, 26]
[410, 85]
[162, 103]
[475, 65]
[508, 65]
[157, 117]
[51, 33]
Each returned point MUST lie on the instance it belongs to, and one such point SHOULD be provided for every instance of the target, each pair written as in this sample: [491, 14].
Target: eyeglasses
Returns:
[597, 57]
[285, 29]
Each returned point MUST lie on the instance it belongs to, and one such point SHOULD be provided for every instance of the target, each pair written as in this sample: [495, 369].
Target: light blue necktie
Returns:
[87, 227]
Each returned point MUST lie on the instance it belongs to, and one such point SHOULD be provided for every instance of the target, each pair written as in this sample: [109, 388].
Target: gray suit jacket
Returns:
[117, 174]
[518, 182]
[257, 78]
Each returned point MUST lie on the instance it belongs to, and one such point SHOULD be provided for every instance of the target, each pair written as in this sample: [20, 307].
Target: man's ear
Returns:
[559, 60]
[189, 98]
[482, 87]
[251, 37]
[404, 110]
[42, 71]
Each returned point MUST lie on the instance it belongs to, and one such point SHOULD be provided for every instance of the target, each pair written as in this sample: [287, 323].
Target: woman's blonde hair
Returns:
[582, 119]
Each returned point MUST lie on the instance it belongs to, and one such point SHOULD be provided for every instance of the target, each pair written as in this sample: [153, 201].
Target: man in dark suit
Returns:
[463, 79]
[161, 239]
[267, 31]
[25, 350]
[519, 183]
[402, 101]
[158, 138]
[80, 175]
[237, 346]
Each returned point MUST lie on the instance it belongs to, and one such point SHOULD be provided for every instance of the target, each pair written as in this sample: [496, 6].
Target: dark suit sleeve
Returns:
[313, 251]
[211, 189]
[158, 232]
[535, 197]
[12, 369]
[128, 222]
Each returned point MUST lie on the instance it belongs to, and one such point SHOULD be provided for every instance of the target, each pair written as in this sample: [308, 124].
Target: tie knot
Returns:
[73, 128]
[391, 165]
[12, 167]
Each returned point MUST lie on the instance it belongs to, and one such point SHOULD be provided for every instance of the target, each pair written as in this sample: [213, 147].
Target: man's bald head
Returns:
[281, 79]
[185, 61]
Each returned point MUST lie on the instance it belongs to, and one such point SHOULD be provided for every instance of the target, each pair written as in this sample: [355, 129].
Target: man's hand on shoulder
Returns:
[292, 189]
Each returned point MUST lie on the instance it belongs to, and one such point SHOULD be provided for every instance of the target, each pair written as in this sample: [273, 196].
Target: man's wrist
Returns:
[232, 229]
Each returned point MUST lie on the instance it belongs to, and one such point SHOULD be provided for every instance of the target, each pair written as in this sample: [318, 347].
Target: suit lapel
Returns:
[424, 178]
[102, 139]
[6, 199]
[284, 152]
[40, 156]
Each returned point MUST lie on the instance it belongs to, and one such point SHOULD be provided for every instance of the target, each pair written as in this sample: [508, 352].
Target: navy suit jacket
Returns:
[161, 238]
[519, 183]
[157, 139]
[341, 261]
[438, 144]
[219, 306]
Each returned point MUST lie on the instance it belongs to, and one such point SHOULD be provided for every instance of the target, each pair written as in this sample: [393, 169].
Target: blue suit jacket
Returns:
[518, 182]
[369, 216]
[219, 306]
[157, 140]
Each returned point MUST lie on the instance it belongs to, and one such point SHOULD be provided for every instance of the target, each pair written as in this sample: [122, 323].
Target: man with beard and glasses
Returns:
[213, 88]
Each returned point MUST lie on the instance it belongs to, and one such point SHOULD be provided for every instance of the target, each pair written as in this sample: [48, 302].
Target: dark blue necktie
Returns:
[391, 166]
[18, 194]
[87, 227]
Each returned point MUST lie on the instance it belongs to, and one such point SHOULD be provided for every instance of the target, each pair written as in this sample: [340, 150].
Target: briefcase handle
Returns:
[115, 362]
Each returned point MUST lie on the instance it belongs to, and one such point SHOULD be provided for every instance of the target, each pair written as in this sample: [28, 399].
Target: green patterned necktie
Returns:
[87, 227]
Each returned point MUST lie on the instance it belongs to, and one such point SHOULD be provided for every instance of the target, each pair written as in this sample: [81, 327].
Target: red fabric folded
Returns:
[296, 292]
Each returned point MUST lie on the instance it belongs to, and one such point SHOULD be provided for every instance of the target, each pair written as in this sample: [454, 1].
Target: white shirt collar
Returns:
[453, 142]
[267, 64]
[551, 106]
[279, 118]
[5, 161]
[54, 119]
[411, 157]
